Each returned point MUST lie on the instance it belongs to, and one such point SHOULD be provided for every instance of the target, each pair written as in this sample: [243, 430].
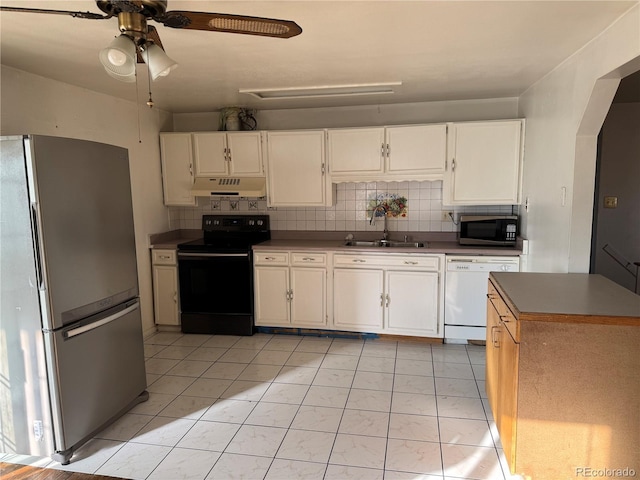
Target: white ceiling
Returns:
[439, 50]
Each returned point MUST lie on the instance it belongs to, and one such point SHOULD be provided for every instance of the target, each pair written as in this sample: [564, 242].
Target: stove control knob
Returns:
[260, 222]
[252, 222]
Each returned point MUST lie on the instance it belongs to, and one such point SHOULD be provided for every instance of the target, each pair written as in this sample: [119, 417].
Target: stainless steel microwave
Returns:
[488, 230]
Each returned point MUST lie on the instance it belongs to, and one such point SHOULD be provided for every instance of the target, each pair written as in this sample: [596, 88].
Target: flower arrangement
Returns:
[391, 205]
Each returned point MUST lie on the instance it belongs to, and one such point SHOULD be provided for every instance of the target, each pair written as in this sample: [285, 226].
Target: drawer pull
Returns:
[270, 258]
[308, 259]
[496, 343]
[407, 262]
[358, 260]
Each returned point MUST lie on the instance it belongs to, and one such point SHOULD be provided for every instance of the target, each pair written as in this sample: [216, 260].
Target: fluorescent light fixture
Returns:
[323, 91]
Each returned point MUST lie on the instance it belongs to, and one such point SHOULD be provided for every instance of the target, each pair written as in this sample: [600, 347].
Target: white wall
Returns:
[37, 105]
[564, 113]
[336, 117]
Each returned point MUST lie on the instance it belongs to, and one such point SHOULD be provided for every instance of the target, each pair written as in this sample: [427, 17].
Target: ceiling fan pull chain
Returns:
[138, 109]
[150, 101]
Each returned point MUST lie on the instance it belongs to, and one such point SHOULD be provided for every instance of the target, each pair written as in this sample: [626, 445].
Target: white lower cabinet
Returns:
[165, 287]
[393, 294]
[290, 289]
[358, 299]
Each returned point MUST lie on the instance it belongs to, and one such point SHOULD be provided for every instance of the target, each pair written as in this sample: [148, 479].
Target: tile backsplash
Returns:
[350, 212]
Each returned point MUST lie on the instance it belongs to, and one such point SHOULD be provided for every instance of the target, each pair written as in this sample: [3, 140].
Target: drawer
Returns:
[163, 257]
[427, 262]
[271, 258]
[511, 324]
[302, 258]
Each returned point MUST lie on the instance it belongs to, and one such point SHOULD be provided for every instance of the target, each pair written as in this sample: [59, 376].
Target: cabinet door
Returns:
[209, 154]
[165, 295]
[411, 301]
[416, 149]
[296, 168]
[309, 296]
[245, 151]
[508, 395]
[271, 295]
[177, 170]
[493, 356]
[356, 151]
[485, 164]
[358, 299]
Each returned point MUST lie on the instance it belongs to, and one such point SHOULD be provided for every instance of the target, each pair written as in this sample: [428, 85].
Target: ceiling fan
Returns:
[139, 42]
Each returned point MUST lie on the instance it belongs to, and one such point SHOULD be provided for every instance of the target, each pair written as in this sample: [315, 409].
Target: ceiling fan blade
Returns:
[220, 22]
[86, 15]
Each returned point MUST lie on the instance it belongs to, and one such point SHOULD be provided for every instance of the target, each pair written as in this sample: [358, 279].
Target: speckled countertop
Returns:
[436, 242]
[568, 298]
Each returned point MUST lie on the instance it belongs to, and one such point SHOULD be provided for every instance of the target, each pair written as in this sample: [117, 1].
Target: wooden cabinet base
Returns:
[578, 400]
[564, 388]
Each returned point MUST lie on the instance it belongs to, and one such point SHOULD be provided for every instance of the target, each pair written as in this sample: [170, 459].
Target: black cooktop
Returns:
[229, 233]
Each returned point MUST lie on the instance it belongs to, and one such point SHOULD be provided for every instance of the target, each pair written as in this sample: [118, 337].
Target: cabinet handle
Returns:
[446, 162]
[269, 258]
[175, 297]
[382, 299]
[165, 257]
[322, 169]
[289, 294]
[495, 342]
[407, 262]
[308, 259]
[382, 150]
[388, 300]
[388, 151]
[504, 318]
[453, 164]
[358, 260]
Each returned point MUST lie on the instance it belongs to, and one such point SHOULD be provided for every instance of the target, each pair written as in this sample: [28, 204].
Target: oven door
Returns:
[215, 283]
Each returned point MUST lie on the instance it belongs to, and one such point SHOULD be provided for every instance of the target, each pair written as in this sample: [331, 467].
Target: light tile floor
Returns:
[292, 407]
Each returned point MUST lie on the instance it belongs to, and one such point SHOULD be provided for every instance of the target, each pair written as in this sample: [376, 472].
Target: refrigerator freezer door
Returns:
[84, 221]
[98, 372]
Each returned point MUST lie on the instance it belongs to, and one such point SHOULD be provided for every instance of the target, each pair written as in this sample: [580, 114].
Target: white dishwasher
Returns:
[465, 305]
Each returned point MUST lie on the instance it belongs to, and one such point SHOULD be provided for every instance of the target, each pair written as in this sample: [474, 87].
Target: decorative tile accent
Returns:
[387, 204]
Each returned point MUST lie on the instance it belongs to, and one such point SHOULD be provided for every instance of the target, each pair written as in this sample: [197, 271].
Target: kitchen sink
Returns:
[384, 243]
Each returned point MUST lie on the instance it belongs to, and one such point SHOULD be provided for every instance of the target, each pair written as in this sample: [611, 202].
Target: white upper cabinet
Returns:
[484, 164]
[228, 153]
[355, 151]
[411, 152]
[416, 150]
[296, 169]
[177, 168]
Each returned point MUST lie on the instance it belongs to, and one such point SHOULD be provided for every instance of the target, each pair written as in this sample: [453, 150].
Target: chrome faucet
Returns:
[385, 232]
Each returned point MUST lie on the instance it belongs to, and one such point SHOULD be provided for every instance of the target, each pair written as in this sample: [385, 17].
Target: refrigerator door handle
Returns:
[92, 326]
[36, 243]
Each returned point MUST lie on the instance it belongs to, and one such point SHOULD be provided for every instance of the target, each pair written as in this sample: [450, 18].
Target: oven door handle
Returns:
[212, 255]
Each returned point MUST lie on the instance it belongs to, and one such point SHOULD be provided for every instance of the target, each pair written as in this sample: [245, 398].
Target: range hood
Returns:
[229, 187]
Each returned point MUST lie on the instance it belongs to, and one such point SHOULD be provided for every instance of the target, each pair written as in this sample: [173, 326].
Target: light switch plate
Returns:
[610, 202]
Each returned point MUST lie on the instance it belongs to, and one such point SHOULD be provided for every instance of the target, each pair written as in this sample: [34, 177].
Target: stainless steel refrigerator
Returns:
[71, 347]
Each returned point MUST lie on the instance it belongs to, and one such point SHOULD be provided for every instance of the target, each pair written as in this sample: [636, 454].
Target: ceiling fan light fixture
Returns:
[159, 63]
[119, 58]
